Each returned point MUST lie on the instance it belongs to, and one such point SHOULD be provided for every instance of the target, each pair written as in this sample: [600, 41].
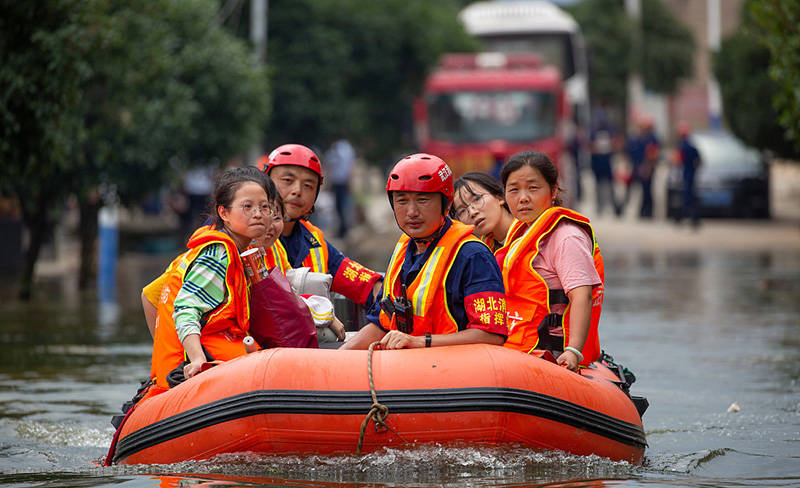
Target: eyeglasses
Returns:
[248, 209]
[477, 202]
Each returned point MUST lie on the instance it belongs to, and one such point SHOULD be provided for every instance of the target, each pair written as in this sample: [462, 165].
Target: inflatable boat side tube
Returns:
[400, 401]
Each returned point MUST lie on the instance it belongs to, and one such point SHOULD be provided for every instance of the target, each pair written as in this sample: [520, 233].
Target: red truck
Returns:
[478, 109]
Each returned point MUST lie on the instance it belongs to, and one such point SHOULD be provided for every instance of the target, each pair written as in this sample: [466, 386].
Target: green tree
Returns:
[663, 56]
[43, 50]
[667, 49]
[780, 23]
[353, 67]
[607, 33]
[742, 68]
[100, 95]
[170, 89]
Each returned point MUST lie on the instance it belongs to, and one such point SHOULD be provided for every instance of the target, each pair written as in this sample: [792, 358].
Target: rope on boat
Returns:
[377, 412]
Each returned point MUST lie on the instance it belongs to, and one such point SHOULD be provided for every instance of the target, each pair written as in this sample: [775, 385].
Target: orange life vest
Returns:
[224, 328]
[276, 257]
[427, 291]
[490, 242]
[527, 295]
[317, 258]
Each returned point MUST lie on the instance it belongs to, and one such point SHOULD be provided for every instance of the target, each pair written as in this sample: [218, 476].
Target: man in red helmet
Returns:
[443, 286]
[297, 173]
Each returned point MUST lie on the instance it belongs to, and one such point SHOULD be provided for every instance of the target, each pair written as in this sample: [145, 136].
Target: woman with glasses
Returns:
[479, 201]
[552, 267]
[203, 310]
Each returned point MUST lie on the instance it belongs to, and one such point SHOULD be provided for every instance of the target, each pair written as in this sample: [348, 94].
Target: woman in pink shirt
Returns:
[552, 267]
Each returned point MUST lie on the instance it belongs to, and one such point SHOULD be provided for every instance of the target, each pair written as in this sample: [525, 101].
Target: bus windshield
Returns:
[555, 48]
[484, 116]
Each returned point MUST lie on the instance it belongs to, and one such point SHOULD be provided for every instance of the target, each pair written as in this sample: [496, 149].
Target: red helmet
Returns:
[421, 172]
[292, 154]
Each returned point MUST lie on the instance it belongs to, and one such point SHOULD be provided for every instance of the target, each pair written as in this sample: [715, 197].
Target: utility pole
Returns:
[258, 35]
[258, 28]
[714, 98]
[635, 85]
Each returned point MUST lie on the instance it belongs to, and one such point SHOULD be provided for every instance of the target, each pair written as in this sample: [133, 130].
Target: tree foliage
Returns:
[667, 49]
[118, 94]
[780, 24]
[353, 67]
[43, 51]
[662, 53]
[169, 88]
[607, 33]
[742, 67]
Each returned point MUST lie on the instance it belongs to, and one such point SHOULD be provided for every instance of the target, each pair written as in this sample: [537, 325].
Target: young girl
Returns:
[552, 267]
[479, 201]
[272, 219]
[203, 310]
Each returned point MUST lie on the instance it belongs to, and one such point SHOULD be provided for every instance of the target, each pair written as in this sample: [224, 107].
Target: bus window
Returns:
[555, 48]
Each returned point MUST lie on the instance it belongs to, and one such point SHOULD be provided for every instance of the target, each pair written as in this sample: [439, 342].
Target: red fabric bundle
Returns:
[278, 317]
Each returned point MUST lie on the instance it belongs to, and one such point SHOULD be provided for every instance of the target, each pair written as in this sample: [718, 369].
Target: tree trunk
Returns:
[35, 219]
[88, 229]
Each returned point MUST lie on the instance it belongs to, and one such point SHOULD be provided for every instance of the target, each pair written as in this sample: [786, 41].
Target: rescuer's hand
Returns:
[394, 339]
[338, 328]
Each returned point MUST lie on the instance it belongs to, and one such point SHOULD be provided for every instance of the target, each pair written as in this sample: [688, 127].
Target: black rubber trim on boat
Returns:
[399, 401]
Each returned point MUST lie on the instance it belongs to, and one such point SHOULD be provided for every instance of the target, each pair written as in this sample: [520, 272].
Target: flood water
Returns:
[702, 331]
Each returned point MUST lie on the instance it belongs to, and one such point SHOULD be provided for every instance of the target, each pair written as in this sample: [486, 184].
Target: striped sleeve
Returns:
[203, 290]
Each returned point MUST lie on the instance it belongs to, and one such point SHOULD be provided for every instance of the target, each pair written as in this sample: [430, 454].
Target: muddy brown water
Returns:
[702, 330]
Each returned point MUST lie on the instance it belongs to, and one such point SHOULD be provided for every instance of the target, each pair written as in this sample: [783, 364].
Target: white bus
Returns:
[540, 27]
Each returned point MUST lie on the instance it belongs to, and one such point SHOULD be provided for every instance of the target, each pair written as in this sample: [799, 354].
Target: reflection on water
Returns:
[701, 330]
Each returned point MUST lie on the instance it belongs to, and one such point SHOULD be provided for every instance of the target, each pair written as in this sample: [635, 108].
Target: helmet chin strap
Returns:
[425, 241]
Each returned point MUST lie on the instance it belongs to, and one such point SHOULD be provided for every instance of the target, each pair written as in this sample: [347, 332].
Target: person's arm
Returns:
[205, 275]
[480, 283]
[150, 298]
[367, 335]
[351, 279]
[194, 351]
[580, 302]
[150, 312]
[395, 339]
[572, 259]
[338, 328]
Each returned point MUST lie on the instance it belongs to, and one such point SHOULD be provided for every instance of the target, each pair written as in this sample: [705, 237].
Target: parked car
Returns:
[732, 182]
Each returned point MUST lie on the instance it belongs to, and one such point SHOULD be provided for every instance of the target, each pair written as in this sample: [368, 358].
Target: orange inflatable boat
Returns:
[318, 401]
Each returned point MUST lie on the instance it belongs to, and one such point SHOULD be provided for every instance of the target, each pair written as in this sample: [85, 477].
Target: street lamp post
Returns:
[714, 98]
[635, 85]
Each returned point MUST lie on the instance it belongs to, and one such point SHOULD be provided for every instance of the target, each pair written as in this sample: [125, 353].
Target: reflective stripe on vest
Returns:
[317, 258]
[427, 292]
[276, 257]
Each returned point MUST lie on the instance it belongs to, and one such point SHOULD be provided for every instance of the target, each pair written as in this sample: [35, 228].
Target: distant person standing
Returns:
[689, 160]
[651, 147]
[602, 153]
[644, 151]
[339, 161]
